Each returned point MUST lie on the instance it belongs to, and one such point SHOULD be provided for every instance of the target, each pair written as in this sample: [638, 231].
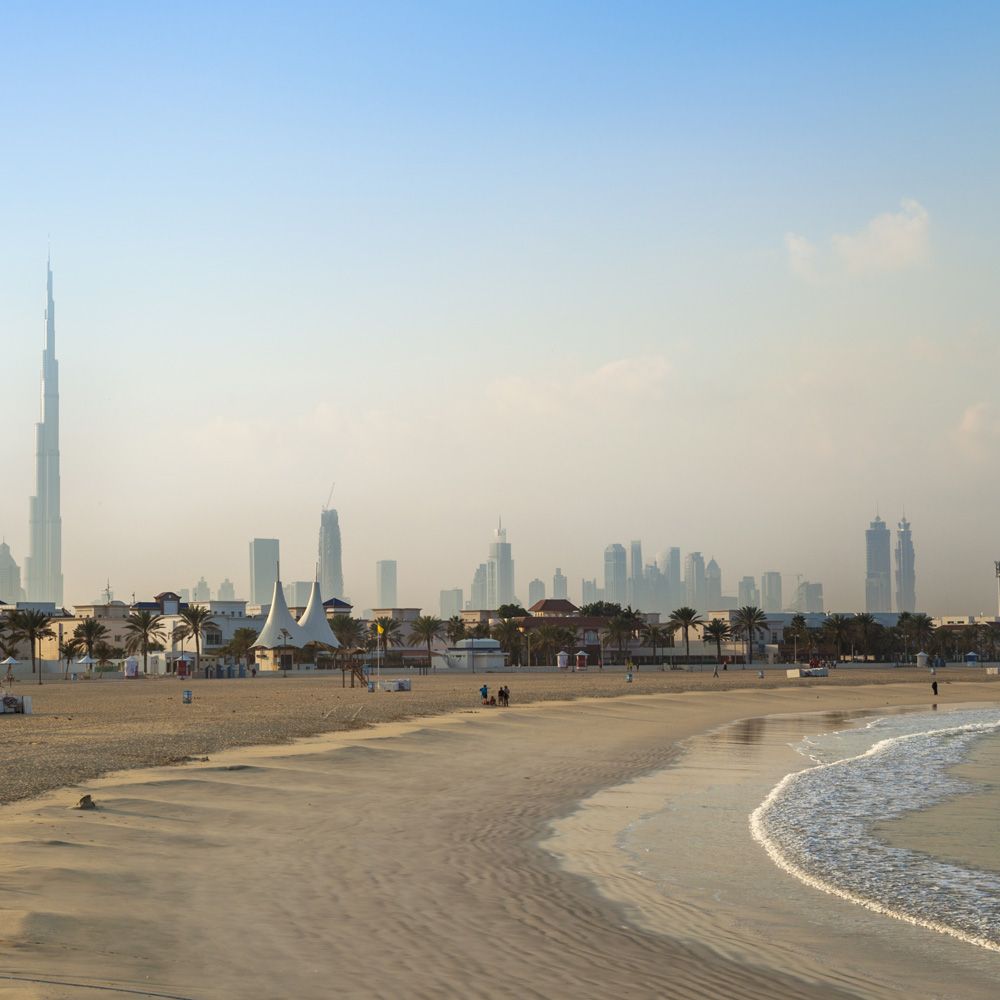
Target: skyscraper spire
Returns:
[43, 567]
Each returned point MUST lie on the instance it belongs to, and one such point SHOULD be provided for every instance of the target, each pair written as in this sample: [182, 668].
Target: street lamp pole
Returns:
[996, 565]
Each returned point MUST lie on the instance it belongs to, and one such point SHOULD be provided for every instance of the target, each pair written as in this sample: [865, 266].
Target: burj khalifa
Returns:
[43, 567]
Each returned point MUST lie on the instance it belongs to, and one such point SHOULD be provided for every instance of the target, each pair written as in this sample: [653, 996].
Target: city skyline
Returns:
[607, 257]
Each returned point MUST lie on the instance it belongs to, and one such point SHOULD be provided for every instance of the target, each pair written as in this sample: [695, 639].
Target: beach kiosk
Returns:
[922, 659]
[581, 660]
[562, 659]
[131, 669]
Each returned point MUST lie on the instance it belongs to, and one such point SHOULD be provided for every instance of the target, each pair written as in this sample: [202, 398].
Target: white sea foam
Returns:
[817, 824]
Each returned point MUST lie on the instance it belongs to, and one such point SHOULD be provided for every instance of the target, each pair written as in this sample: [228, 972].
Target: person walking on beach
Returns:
[934, 687]
[484, 691]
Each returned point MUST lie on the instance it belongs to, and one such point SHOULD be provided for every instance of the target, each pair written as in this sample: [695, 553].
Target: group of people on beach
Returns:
[501, 698]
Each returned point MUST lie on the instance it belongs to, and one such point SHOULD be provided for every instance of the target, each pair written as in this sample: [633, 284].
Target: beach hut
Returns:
[923, 659]
[562, 659]
[972, 658]
[131, 668]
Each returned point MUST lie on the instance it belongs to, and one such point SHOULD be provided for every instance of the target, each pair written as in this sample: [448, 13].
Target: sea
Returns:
[826, 825]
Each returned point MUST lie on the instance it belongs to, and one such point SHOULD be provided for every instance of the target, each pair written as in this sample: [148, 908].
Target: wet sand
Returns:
[399, 861]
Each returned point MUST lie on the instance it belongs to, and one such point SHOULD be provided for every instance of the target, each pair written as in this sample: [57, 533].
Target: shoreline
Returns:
[266, 867]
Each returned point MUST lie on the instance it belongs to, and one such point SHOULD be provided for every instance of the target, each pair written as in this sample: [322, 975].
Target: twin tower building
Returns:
[878, 577]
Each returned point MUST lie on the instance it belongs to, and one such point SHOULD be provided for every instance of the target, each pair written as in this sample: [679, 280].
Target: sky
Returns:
[712, 275]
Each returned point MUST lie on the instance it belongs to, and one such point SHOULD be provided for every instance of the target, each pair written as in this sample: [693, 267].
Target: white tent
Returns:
[280, 631]
[314, 624]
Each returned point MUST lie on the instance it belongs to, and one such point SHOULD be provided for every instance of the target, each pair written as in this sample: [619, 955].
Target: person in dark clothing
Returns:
[934, 687]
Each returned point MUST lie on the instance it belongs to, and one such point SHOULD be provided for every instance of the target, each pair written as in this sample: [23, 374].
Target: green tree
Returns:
[601, 609]
[425, 629]
[718, 631]
[655, 636]
[89, 633]
[194, 620]
[750, 622]
[389, 634]
[836, 629]
[684, 619]
[923, 629]
[511, 611]
[240, 646]
[455, 629]
[145, 629]
[508, 633]
[863, 626]
[31, 626]
[800, 634]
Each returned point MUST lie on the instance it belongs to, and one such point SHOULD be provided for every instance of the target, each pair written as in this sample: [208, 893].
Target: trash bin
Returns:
[243, 670]
[186, 697]
[230, 671]
[371, 686]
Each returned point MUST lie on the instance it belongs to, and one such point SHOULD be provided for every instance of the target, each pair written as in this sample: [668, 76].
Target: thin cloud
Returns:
[978, 432]
[891, 242]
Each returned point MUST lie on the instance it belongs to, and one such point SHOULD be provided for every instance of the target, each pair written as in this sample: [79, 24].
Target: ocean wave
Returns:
[817, 824]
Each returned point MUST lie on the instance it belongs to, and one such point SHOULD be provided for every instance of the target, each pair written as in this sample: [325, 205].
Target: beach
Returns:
[415, 858]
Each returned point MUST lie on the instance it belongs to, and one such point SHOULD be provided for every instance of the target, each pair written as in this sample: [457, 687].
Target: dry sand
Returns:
[400, 861]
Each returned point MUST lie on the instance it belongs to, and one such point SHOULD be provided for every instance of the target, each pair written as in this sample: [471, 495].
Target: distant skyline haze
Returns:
[717, 277]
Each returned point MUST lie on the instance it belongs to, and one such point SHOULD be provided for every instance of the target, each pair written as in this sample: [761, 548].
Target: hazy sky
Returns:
[720, 276]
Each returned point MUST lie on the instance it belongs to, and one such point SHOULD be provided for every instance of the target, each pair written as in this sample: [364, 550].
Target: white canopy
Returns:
[280, 630]
[314, 624]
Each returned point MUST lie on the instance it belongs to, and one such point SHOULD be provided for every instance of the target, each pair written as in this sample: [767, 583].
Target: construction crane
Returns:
[326, 506]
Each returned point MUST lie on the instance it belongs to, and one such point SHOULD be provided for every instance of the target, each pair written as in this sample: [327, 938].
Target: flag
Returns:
[380, 629]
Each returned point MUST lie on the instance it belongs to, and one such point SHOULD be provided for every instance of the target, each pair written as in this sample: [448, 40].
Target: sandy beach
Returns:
[411, 859]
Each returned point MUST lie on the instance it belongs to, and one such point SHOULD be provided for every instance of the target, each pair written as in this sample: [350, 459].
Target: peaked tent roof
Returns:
[279, 619]
[314, 624]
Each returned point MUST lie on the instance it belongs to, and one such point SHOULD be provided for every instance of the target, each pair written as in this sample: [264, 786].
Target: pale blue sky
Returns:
[529, 258]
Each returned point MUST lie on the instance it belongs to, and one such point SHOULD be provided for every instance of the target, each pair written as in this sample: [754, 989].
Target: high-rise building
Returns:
[264, 557]
[713, 586]
[536, 591]
[43, 567]
[770, 591]
[10, 577]
[808, 598]
[385, 583]
[906, 574]
[694, 581]
[560, 585]
[479, 594]
[590, 592]
[201, 591]
[227, 592]
[636, 575]
[615, 575]
[500, 571]
[331, 573]
[673, 589]
[451, 603]
[748, 595]
[878, 588]
[297, 593]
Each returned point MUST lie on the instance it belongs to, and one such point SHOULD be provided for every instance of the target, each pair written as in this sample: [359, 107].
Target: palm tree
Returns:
[547, 641]
[656, 636]
[103, 653]
[31, 626]
[903, 630]
[144, 628]
[508, 633]
[240, 645]
[864, 622]
[751, 622]
[620, 630]
[837, 628]
[718, 631]
[385, 632]
[799, 632]
[89, 633]
[922, 627]
[455, 629]
[426, 629]
[684, 618]
[194, 620]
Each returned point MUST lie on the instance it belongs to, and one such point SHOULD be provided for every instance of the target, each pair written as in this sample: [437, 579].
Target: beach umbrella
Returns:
[86, 661]
[9, 662]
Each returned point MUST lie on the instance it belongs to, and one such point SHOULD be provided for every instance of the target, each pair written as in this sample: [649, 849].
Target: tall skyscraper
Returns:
[297, 593]
[451, 603]
[615, 574]
[201, 591]
[536, 591]
[560, 585]
[808, 598]
[713, 586]
[227, 592]
[878, 587]
[589, 592]
[636, 575]
[673, 589]
[499, 571]
[748, 596]
[264, 556]
[770, 591]
[331, 573]
[10, 577]
[385, 583]
[906, 575]
[479, 594]
[694, 581]
[43, 567]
